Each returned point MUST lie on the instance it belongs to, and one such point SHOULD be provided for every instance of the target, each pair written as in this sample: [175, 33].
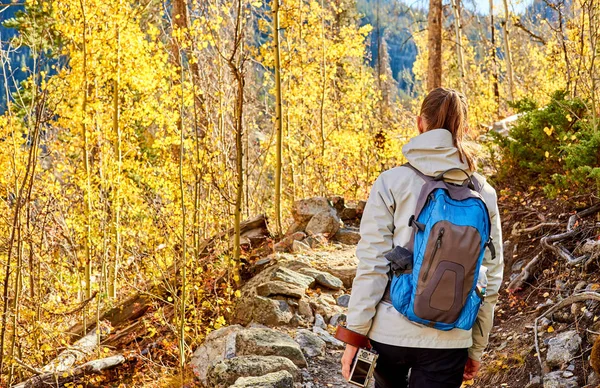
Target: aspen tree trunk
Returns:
[507, 53]
[322, 104]
[278, 124]
[434, 45]
[494, 61]
[183, 236]
[235, 62]
[459, 49]
[114, 263]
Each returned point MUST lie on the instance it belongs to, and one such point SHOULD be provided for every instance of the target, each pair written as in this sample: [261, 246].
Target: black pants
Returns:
[429, 368]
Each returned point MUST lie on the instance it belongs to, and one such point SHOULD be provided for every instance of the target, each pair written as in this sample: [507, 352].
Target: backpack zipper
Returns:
[438, 243]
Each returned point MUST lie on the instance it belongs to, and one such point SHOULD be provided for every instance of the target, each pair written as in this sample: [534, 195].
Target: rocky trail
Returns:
[297, 298]
[296, 291]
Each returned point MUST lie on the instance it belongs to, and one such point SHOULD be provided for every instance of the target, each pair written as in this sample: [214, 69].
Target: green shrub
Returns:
[554, 145]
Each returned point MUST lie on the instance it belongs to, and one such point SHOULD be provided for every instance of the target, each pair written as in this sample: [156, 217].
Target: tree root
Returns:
[526, 272]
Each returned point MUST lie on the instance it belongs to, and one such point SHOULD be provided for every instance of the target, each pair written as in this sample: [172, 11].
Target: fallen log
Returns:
[81, 348]
[58, 379]
[138, 304]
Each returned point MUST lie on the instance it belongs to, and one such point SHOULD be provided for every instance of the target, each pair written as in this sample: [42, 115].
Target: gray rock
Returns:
[544, 323]
[328, 338]
[267, 342]
[277, 287]
[281, 379]
[562, 348]
[337, 319]
[290, 276]
[343, 300]
[347, 236]
[325, 222]
[556, 380]
[346, 274]
[300, 246]
[271, 312]
[310, 343]
[296, 226]
[316, 241]
[305, 311]
[226, 372]
[323, 278]
[304, 209]
[287, 243]
[593, 379]
[218, 345]
[534, 382]
[320, 322]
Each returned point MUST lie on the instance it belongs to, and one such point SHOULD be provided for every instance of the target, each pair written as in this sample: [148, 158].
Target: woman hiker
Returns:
[431, 357]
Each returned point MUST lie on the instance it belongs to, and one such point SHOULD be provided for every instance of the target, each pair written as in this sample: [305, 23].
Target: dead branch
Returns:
[563, 303]
[526, 272]
[518, 232]
[59, 378]
[550, 243]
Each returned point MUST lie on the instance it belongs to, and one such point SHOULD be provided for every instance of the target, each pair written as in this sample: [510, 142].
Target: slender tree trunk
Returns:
[507, 53]
[494, 61]
[278, 121]
[459, 49]
[114, 265]
[434, 45]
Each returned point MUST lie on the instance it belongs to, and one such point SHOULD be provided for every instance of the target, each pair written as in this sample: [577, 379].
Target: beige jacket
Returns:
[384, 224]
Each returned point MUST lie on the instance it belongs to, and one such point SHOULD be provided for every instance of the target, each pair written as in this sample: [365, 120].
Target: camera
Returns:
[363, 367]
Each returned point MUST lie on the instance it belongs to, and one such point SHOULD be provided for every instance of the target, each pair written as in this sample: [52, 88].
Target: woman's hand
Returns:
[347, 359]
[471, 369]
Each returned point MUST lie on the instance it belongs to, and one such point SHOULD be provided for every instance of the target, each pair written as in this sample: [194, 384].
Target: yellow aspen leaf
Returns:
[547, 154]
[550, 329]
[238, 293]
[548, 131]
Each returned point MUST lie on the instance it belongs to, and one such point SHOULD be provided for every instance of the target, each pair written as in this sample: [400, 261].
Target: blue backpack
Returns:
[434, 278]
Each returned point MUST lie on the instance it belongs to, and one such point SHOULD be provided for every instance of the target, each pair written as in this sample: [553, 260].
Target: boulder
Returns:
[557, 380]
[316, 241]
[300, 246]
[281, 379]
[323, 278]
[347, 236]
[343, 300]
[277, 287]
[287, 243]
[271, 312]
[218, 345]
[304, 209]
[348, 213]
[268, 342]
[305, 310]
[320, 322]
[325, 222]
[346, 274]
[310, 343]
[226, 372]
[328, 338]
[290, 276]
[562, 348]
[337, 202]
[337, 319]
[296, 226]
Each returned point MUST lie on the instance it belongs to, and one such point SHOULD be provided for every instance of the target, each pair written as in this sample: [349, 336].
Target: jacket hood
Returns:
[433, 152]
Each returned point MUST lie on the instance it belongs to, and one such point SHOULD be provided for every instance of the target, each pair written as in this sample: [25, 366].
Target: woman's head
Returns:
[446, 108]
